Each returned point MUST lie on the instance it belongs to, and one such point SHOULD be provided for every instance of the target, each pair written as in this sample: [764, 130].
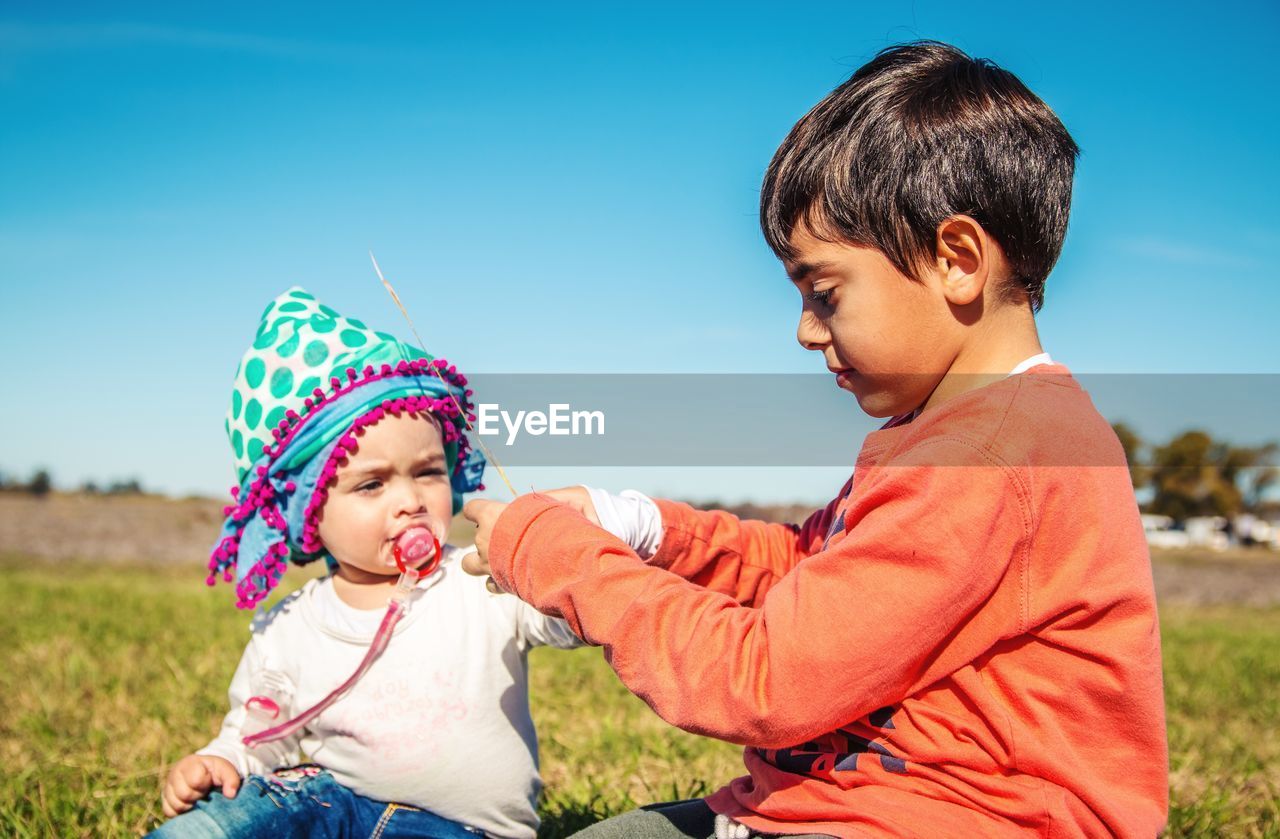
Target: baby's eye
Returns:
[433, 472]
[368, 486]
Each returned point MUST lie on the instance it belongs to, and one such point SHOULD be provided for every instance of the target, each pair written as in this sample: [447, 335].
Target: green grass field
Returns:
[111, 672]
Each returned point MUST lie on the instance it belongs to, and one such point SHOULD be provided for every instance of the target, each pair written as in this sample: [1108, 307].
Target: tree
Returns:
[1187, 480]
[1195, 475]
[1139, 474]
[131, 486]
[41, 483]
[1259, 474]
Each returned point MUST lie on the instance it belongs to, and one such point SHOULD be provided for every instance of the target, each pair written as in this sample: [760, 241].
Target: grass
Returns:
[1222, 693]
[112, 672]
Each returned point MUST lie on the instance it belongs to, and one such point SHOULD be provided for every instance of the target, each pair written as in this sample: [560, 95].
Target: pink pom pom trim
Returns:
[260, 498]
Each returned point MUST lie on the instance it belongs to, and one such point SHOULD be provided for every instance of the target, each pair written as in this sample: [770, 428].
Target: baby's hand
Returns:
[485, 514]
[191, 779]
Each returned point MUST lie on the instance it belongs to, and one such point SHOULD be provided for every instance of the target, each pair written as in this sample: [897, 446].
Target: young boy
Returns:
[964, 642]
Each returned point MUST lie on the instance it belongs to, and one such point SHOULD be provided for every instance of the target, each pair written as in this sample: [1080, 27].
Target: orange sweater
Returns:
[963, 643]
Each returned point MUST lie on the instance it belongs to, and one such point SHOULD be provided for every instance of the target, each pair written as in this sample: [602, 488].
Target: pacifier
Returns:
[417, 549]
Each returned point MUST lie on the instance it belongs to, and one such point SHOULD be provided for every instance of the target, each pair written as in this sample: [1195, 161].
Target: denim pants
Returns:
[306, 801]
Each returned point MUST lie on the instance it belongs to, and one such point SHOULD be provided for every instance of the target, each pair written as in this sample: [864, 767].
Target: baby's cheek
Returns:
[440, 509]
[348, 534]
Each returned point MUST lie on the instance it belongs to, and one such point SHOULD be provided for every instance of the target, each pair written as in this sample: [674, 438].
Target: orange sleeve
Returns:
[885, 611]
[738, 557]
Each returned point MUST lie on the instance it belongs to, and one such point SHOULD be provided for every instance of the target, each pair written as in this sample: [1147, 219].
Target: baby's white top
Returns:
[440, 721]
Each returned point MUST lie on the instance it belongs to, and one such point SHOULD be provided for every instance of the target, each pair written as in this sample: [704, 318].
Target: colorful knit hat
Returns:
[310, 380]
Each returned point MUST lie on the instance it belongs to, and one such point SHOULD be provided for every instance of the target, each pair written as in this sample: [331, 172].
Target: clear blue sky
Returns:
[558, 188]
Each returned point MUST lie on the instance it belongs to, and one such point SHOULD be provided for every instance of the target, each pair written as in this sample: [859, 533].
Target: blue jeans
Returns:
[306, 801]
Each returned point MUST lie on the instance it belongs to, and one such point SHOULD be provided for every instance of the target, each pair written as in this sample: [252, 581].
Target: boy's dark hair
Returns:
[920, 133]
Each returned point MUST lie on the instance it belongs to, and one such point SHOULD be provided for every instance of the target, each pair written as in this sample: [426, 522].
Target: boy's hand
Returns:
[485, 514]
[579, 499]
[191, 779]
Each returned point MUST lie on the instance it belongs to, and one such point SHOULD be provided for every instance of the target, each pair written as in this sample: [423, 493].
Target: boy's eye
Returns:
[819, 297]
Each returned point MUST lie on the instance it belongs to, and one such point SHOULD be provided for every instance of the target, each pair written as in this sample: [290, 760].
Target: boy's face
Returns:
[396, 480]
[888, 338]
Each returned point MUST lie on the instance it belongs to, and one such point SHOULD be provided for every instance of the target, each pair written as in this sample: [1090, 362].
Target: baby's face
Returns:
[398, 479]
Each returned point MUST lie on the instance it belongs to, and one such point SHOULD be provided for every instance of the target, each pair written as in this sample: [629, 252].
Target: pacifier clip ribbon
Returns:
[417, 545]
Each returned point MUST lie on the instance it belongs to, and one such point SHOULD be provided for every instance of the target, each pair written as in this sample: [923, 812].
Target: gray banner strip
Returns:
[801, 420]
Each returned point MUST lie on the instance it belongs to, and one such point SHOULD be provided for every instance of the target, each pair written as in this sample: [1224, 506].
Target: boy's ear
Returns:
[964, 259]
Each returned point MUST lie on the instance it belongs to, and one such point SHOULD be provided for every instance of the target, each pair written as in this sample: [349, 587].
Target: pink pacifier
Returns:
[417, 548]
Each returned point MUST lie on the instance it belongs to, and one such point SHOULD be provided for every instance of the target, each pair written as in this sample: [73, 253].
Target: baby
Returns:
[349, 445]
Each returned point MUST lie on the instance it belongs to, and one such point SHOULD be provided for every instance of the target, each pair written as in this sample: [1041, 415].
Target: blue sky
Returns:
[558, 188]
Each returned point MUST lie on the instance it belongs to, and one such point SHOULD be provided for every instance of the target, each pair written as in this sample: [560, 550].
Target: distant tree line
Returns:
[40, 484]
[1196, 475]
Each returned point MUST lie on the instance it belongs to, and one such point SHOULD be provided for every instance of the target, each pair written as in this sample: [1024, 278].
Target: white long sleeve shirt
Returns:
[440, 721]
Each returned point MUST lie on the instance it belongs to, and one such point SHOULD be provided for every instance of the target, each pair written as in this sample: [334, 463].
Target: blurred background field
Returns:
[117, 659]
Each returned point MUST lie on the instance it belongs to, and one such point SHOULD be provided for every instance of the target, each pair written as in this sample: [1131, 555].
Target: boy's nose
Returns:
[810, 332]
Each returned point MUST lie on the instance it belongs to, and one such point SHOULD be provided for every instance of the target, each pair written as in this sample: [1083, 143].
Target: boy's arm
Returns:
[738, 557]
[716, 550]
[899, 601]
[532, 628]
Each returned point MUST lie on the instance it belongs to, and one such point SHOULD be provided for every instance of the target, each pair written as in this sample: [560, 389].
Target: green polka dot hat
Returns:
[310, 380]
